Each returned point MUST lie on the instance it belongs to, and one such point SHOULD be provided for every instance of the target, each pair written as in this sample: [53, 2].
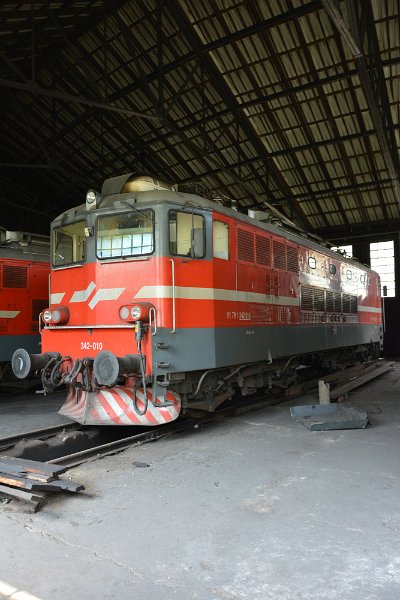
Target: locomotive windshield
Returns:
[125, 234]
[69, 243]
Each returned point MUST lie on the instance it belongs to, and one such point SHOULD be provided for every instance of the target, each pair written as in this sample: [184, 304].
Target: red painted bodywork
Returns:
[228, 275]
[21, 299]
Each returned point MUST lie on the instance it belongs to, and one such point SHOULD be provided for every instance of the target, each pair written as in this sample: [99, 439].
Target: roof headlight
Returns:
[93, 199]
[91, 196]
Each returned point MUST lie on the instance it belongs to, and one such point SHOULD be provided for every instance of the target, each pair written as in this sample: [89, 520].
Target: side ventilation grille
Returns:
[279, 255]
[263, 251]
[37, 307]
[15, 277]
[292, 260]
[245, 240]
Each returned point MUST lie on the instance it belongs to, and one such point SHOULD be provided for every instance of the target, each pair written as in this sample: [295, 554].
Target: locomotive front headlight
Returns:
[124, 313]
[60, 315]
[56, 316]
[136, 312]
[46, 315]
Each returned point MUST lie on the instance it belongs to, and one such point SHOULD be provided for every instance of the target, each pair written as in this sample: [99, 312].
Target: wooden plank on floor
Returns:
[21, 495]
[16, 481]
[34, 466]
[60, 485]
[56, 485]
[344, 389]
[15, 470]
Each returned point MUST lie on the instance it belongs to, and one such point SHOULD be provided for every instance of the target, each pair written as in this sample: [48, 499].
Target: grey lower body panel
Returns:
[10, 343]
[199, 349]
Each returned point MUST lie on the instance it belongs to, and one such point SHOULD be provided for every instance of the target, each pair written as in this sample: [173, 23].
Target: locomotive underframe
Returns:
[204, 389]
[207, 389]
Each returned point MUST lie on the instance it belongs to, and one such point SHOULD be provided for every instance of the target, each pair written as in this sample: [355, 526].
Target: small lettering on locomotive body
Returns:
[240, 316]
[91, 345]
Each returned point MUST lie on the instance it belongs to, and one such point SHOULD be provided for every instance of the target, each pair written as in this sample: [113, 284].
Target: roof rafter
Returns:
[363, 8]
[228, 97]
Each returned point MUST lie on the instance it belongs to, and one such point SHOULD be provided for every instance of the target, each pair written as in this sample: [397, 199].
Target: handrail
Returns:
[153, 321]
[173, 296]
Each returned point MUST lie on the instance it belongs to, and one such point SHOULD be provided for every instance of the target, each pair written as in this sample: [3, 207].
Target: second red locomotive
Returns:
[164, 302]
[24, 285]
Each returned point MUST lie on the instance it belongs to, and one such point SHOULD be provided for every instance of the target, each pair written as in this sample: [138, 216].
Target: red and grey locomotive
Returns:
[24, 293]
[164, 302]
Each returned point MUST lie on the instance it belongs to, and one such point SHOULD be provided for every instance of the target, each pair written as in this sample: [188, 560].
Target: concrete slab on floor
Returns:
[24, 411]
[256, 507]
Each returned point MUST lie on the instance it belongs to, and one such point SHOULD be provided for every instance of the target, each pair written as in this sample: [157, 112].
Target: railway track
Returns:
[104, 448]
[37, 434]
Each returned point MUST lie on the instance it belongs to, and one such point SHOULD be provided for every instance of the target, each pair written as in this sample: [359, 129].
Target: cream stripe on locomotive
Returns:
[56, 298]
[371, 309]
[198, 293]
[9, 314]
[105, 294]
[83, 295]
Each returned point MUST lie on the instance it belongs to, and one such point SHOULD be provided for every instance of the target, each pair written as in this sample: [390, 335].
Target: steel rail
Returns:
[77, 458]
[257, 402]
[37, 433]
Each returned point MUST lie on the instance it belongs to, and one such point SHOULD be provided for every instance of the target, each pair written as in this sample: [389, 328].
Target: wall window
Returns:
[344, 250]
[312, 263]
[186, 234]
[221, 240]
[382, 261]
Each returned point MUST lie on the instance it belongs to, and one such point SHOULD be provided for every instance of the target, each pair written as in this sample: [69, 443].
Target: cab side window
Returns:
[221, 240]
[186, 234]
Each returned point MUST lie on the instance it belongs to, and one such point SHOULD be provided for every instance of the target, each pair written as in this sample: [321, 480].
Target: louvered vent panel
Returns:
[319, 300]
[346, 303]
[306, 298]
[353, 305]
[292, 260]
[338, 302]
[245, 245]
[263, 251]
[37, 307]
[330, 301]
[279, 255]
[15, 277]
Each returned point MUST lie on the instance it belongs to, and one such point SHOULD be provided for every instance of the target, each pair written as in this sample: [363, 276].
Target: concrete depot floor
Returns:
[256, 507]
[24, 411]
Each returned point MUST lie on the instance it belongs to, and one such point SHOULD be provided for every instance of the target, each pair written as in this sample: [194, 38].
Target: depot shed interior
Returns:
[289, 104]
[292, 104]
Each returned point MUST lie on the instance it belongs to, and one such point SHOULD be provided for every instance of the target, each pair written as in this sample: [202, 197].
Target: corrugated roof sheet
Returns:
[258, 101]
